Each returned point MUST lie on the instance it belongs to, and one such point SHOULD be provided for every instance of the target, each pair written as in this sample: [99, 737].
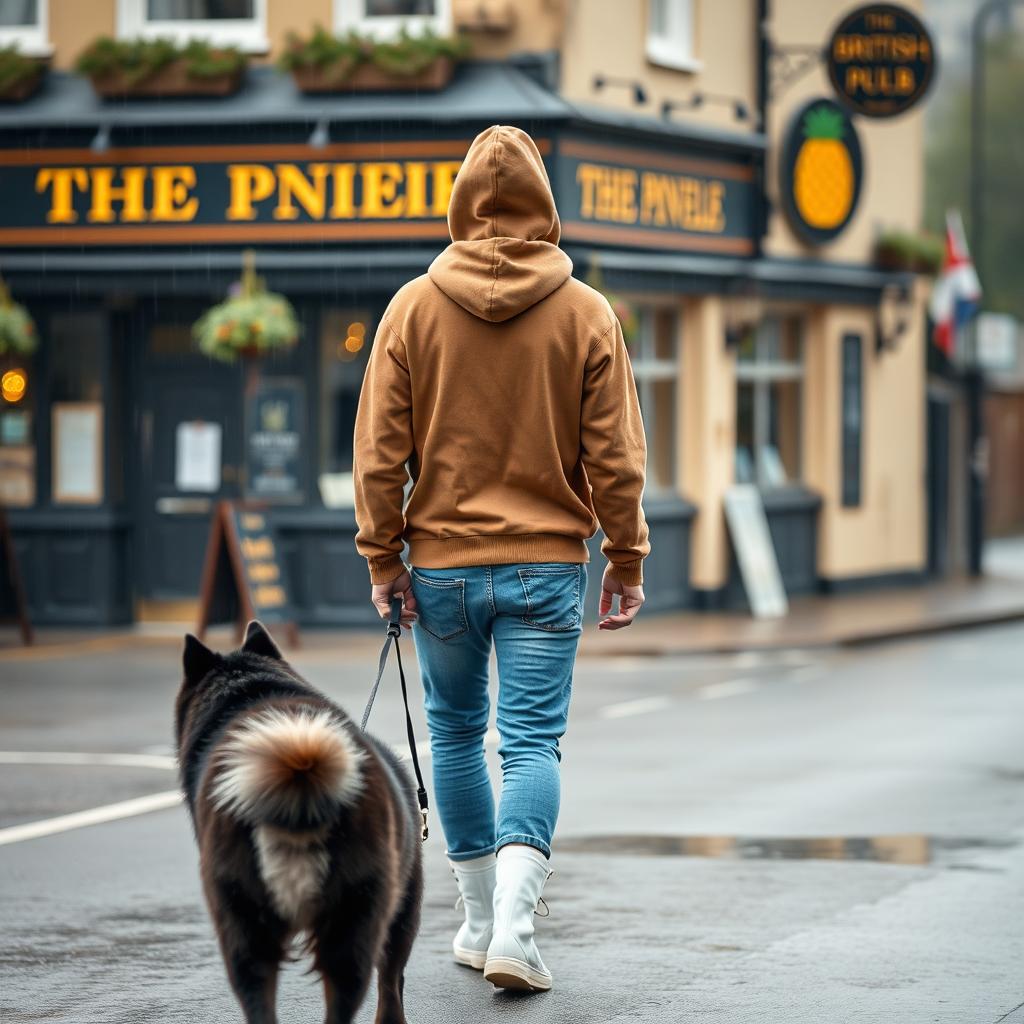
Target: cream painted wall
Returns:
[708, 434]
[886, 532]
[893, 188]
[284, 16]
[598, 39]
[75, 23]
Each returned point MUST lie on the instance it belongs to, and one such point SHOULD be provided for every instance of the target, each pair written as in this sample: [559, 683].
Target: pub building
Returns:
[760, 356]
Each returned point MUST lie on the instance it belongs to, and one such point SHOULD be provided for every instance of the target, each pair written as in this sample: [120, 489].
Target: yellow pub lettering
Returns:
[652, 198]
[317, 191]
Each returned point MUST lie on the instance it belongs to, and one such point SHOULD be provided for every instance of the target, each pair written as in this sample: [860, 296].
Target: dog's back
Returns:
[304, 824]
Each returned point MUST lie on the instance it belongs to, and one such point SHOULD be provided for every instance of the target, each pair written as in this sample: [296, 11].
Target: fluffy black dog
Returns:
[305, 825]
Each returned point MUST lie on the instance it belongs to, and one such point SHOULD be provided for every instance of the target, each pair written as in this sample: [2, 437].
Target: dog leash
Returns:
[394, 632]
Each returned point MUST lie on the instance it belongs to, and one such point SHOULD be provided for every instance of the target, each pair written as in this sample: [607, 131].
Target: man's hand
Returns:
[630, 600]
[400, 587]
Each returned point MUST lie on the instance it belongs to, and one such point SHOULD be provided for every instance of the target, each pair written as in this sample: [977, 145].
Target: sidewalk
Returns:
[819, 621]
[813, 621]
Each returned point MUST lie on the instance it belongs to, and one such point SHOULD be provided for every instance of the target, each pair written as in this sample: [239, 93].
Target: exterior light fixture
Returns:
[639, 93]
[13, 385]
[101, 140]
[740, 110]
[321, 134]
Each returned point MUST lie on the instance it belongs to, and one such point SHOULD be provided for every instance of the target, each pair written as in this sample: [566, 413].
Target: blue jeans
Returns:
[534, 612]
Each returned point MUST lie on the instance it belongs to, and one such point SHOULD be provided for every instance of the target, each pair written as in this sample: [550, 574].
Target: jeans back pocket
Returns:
[441, 604]
[553, 595]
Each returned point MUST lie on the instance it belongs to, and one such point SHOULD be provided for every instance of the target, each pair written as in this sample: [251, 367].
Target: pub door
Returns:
[190, 456]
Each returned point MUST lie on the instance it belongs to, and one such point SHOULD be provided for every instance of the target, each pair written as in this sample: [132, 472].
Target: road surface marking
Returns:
[727, 688]
[94, 816]
[162, 761]
[641, 706]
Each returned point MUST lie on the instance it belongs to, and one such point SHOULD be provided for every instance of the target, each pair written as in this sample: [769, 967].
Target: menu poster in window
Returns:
[197, 450]
[748, 527]
[274, 440]
[78, 453]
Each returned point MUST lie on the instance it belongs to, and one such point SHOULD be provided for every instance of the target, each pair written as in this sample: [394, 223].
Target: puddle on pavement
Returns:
[894, 849]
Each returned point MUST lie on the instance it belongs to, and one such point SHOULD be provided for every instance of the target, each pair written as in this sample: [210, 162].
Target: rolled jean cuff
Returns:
[470, 854]
[515, 837]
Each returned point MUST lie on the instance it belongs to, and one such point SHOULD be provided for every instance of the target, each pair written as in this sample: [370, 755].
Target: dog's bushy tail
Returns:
[292, 768]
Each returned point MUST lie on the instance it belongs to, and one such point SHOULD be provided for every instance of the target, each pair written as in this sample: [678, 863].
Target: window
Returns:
[670, 34]
[383, 18]
[655, 360]
[769, 375]
[240, 23]
[346, 336]
[23, 24]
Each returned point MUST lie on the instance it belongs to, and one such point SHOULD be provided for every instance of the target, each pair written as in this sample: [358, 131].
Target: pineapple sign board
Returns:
[821, 171]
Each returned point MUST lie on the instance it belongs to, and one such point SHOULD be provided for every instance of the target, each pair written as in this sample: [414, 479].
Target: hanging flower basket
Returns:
[121, 68]
[251, 323]
[621, 307]
[17, 330]
[921, 253]
[324, 63]
[20, 76]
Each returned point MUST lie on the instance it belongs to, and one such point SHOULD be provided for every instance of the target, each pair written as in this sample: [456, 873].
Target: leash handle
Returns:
[394, 632]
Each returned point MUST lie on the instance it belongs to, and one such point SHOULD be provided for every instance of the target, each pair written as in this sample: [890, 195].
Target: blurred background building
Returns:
[707, 183]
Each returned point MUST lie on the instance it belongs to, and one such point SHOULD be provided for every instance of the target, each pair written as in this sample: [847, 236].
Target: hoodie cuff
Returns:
[630, 574]
[386, 569]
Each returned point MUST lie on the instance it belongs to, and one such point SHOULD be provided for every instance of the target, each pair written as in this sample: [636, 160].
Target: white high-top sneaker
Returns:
[512, 957]
[476, 890]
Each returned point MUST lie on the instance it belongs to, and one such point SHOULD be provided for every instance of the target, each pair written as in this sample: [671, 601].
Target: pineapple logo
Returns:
[825, 161]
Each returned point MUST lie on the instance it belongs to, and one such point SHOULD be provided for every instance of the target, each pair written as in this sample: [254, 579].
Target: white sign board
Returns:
[748, 527]
[197, 456]
[996, 341]
[77, 452]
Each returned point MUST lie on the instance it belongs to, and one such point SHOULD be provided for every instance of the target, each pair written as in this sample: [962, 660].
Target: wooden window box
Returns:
[171, 80]
[367, 77]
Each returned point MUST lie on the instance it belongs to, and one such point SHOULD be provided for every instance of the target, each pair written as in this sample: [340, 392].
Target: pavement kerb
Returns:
[104, 642]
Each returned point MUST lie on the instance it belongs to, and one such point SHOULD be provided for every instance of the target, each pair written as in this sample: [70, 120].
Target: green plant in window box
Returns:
[621, 307]
[324, 62]
[17, 329]
[153, 67]
[921, 253]
[250, 323]
[19, 75]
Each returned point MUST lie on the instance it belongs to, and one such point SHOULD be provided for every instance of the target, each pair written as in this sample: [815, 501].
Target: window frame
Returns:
[31, 40]
[248, 34]
[676, 47]
[350, 15]
[760, 374]
[648, 370]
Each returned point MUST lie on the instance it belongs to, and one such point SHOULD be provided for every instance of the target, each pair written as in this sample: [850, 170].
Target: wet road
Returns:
[790, 837]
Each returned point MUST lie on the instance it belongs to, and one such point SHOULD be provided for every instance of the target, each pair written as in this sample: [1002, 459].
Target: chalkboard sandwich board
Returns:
[243, 575]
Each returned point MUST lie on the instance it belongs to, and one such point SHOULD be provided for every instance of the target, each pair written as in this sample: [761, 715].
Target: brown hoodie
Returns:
[505, 384]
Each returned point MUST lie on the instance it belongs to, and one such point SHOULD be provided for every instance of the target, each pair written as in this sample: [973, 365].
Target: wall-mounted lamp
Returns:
[101, 140]
[639, 93]
[892, 318]
[740, 110]
[743, 309]
[320, 136]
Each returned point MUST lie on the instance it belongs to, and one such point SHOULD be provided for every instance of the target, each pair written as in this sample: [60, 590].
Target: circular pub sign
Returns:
[881, 60]
[821, 171]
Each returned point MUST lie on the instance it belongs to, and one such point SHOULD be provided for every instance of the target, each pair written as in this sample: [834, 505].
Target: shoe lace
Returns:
[541, 902]
[459, 902]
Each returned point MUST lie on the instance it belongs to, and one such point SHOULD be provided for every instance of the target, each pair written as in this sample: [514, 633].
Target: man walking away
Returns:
[503, 383]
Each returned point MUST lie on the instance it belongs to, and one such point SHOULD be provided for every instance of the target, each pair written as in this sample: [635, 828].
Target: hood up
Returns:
[504, 255]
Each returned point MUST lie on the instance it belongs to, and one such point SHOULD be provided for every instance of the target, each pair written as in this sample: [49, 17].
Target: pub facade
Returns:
[763, 353]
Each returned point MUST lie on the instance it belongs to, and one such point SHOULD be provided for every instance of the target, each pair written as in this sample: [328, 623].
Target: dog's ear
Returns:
[258, 641]
[197, 659]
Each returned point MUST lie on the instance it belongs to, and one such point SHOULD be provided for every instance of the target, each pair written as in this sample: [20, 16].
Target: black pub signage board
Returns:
[244, 576]
[230, 194]
[650, 198]
[881, 60]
